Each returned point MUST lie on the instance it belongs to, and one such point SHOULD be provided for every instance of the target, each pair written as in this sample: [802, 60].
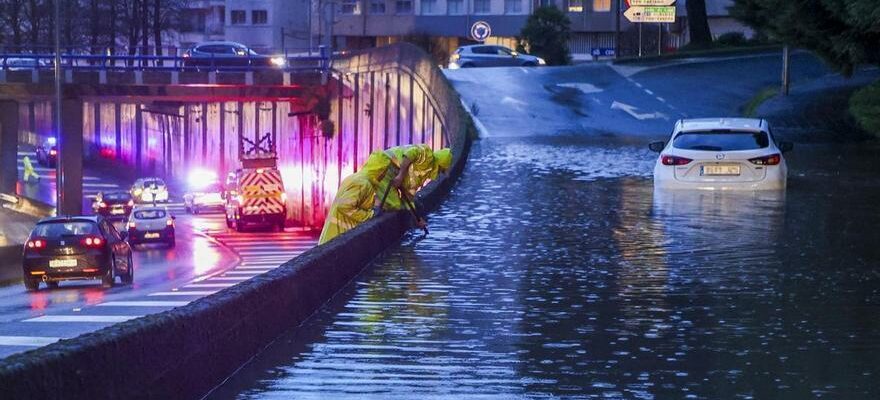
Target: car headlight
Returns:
[541, 61]
[278, 61]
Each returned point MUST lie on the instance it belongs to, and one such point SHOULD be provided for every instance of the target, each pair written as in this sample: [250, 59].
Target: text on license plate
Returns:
[117, 211]
[720, 170]
[151, 235]
[62, 263]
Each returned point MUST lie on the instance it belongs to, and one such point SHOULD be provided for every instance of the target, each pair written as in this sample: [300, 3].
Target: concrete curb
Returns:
[185, 352]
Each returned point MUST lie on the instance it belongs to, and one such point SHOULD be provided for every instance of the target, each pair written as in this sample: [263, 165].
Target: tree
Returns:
[846, 33]
[698, 23]
[546, 34]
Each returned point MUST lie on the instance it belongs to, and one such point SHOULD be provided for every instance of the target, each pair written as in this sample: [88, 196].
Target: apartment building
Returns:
[264, 25]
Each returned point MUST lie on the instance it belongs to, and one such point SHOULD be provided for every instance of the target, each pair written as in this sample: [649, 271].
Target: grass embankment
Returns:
[759, 98]
[864, 106]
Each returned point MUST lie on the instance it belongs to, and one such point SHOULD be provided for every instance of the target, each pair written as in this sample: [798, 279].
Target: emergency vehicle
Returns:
[255, 192]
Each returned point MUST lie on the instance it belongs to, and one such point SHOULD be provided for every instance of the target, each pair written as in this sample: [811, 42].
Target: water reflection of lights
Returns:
[39, 301]
[94, 296]
[205, 256]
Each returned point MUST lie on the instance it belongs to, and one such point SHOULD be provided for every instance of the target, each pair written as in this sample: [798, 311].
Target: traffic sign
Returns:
[480, 31]
[663, 14]
[646, 3]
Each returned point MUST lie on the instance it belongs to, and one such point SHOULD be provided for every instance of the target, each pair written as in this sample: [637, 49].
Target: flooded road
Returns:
[555, 270]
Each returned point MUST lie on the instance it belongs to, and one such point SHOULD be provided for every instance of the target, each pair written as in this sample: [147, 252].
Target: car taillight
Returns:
[93, 242]
[673, 160]
[773, 159]
[36, 244]
[131, 225]
[102, 205]
[53, 152]
[131, 203]
[169, 222]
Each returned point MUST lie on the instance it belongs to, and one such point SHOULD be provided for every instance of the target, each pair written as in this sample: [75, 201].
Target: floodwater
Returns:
[555, 270]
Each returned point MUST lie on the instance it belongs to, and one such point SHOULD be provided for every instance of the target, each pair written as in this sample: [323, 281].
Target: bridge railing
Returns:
[19, 61]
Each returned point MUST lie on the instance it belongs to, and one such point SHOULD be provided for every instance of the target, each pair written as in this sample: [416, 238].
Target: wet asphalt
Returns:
[555, 270]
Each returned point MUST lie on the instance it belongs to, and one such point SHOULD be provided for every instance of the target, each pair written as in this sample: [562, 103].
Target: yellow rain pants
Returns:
[28, 170]
[352, 206]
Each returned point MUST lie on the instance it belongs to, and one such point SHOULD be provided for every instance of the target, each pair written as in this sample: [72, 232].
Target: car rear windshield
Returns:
[117, 197]
[52, 230]
[721, 140]
[149, 214]
[157, 182]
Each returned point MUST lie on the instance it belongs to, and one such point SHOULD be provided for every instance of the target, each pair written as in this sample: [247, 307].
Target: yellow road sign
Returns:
[641, 3]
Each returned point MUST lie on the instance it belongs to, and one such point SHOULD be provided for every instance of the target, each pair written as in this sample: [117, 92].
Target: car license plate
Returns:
[117, 211]
[720, 170]
[151, 235]
[62, 263]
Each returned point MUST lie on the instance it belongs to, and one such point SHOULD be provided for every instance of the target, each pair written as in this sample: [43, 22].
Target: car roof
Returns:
[703, 124]
[219, 42]
[72, 218]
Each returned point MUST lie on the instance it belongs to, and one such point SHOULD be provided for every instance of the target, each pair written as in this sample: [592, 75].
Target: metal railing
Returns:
[107, 60]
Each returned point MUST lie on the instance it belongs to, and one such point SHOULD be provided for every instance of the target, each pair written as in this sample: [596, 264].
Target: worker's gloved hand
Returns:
[377, 211]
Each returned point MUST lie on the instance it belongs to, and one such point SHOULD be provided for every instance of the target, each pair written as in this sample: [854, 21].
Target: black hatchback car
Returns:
[76, 248]
[113, 205]
[228, 54]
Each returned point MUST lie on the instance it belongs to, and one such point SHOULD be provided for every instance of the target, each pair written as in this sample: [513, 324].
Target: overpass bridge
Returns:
[154, 116]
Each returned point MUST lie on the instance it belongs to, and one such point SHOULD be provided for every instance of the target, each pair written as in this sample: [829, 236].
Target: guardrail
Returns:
[124, 62]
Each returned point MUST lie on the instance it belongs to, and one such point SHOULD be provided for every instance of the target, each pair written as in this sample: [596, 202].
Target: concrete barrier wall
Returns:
[184, 352]
[10, 264]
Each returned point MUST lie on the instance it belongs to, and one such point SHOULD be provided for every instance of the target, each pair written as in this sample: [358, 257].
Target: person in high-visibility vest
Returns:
[406, 168]
[29, 170]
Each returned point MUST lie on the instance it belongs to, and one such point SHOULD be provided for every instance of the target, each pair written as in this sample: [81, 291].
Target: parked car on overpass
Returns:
[481, 55]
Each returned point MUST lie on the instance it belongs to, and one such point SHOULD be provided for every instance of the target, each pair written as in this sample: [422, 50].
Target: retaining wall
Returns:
[184, 352]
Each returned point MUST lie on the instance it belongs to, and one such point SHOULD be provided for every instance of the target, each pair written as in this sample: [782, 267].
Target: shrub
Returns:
[864, 105]
[546, 34]
[732, 39]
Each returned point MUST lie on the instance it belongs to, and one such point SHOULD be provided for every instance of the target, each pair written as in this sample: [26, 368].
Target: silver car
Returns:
[484, 55]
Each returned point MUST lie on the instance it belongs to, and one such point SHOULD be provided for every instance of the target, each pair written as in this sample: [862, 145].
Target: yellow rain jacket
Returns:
[425, 164]
[352, 206]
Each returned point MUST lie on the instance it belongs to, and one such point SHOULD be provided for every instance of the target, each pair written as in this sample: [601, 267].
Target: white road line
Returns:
[144, 304]
[649, 92]
[662, 100]
[82, 318]
[255, 267]
[30, 341]
[185, 293]
[241, 273]
[210, 285]
[639, 85]
[227, 279]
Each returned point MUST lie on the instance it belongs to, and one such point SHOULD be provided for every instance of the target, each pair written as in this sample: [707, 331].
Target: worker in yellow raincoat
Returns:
[353, 203]
[28, 170]
[407, 168]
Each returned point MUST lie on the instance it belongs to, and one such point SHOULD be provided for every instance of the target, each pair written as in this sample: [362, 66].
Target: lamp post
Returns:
[59, 141]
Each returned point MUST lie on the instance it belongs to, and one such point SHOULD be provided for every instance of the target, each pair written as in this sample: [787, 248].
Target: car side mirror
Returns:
[785, 147]
[657, 146]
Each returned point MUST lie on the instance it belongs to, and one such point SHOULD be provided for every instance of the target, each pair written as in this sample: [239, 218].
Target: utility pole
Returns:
[786, 66]
[59, 138]
[617, 31]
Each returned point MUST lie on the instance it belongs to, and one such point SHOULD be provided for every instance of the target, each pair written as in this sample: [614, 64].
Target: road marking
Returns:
[210, 285]
[662, 100]
[585, 88]
[631, 110]
[254, 268]
[30, 341]
[639, 85]
[144, 304]
[227, 279]
[649, 92]
[185, 293]
[241, 273]
[82, 318]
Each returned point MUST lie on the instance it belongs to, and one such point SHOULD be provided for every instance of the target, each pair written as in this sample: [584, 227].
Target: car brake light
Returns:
[88, 270]
[673, 160]
[53, 152]
[131, 203]
[36, 244]
[169, 222]
[131, 225]
[93, 241]
[773, 159]
[102, 205]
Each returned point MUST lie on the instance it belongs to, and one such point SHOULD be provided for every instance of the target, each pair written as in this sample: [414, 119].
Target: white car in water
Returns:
[721, 154]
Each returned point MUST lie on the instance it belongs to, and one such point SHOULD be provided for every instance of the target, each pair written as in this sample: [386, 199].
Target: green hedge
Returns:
[864, 105]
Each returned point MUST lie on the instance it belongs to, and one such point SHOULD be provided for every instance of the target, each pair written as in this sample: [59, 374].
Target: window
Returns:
[54, 230]
[512, 6]
[721, 141]
[350, 7]
[455, 7]
[238, 17]
[482, 6]
[429, 6]
[602, 5]
[259, 17]
[149, 214]
[377, 6]
[545, 3]
[222, 15]
[575, 6]
[484, 50]
[403, 6]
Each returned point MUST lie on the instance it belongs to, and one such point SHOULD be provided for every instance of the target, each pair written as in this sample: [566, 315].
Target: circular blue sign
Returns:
[480, 31]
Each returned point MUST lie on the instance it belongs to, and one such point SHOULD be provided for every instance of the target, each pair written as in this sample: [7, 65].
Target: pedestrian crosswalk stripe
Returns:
[239, 273]
[258, 268]
[144, 304]
[185, 293]
[83, 318]
[228, 279]
[210, 285]
[27, 341]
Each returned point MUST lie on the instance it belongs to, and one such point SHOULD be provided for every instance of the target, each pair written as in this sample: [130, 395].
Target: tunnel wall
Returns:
[370, 109]
[184, 352]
